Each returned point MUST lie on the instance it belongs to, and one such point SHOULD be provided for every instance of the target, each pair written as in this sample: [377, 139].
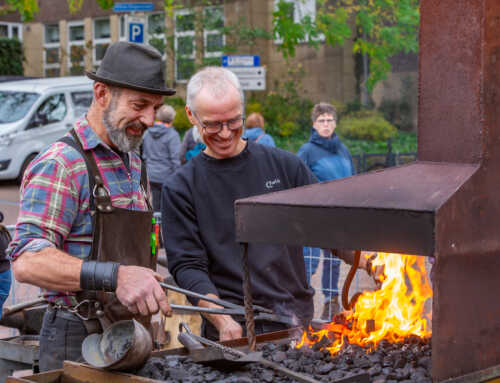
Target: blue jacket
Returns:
[328, 158]
[259, 136]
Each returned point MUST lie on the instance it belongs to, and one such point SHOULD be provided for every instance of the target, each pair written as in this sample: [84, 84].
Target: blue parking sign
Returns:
[136, 33]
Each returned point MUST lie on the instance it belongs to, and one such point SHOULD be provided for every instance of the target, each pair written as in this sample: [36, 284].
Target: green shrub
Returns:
[181, 121]
[340, 107]
[366, 125]
[11, 57]
[253, 107]
[288, 129]
[175, 101]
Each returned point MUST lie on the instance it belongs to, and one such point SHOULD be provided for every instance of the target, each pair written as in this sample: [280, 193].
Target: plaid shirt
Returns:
[54, 207]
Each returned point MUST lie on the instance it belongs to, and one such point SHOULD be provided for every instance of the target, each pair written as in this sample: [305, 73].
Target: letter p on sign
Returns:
[136, 33]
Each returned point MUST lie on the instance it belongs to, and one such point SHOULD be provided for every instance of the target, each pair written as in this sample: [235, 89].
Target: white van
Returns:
[33, 114]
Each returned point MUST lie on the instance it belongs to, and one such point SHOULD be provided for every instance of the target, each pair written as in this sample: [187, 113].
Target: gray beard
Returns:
[118, 136]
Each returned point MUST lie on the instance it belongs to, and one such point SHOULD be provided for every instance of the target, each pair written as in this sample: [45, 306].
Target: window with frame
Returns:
[185, 45]
[156, 31]
[300, 10]
[11, 30]
[81, 101]
[102, 39]
[51, 51]
[213, 36]
[76, 47]
[52, 110]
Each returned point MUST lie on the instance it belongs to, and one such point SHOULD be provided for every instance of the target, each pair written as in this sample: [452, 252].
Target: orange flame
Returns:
[393, 312]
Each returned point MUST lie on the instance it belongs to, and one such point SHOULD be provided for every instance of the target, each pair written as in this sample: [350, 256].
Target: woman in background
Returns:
[328, 159]
[255, 130]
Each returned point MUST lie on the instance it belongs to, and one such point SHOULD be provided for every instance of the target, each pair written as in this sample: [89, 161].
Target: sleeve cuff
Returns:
[33, 246]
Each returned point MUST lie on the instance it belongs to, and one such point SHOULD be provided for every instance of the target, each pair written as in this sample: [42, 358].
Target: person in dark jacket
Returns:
[328, 159]
[255, 130]
[198, 213]
[161, 149]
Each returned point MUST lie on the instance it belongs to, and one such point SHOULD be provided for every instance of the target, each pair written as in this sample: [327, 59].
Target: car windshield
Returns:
[14, 105]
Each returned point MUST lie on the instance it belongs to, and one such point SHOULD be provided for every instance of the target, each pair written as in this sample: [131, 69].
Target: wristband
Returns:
[97, 276]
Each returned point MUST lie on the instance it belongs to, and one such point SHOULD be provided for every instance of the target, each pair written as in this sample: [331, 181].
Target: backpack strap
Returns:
[258, 138]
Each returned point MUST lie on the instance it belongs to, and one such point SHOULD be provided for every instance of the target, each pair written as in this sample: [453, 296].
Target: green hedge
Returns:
[366, 125]
[11, 57]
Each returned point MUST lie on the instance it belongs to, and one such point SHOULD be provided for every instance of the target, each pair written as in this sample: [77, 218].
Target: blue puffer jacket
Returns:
[259, 136]
[328, 158]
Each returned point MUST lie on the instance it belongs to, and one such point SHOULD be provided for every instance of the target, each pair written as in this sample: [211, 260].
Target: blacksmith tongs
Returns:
[261, 313]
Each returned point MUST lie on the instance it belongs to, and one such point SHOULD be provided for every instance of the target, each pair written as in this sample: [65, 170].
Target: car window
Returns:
[15, 105]
[81, 101]
[52, 110]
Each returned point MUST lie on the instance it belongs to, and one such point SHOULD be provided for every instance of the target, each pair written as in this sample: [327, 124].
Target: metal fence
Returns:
[367, 162]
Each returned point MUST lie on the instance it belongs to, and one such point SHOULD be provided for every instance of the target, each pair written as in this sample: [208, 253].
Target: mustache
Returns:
[136, 125]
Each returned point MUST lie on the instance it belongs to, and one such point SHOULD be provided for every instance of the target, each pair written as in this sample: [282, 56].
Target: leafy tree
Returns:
[381, 29]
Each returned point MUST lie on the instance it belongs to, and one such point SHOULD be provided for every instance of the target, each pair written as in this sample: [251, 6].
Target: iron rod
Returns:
[247, 291]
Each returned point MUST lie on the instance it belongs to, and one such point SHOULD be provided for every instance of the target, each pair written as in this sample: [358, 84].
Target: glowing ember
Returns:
[393, 312]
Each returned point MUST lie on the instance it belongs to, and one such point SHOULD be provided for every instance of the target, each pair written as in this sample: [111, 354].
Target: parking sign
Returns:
[136, 32]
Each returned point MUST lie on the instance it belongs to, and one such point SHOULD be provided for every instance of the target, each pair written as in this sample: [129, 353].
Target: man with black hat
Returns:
[83, 232]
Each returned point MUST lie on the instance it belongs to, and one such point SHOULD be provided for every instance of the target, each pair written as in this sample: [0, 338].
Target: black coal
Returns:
[408, 361]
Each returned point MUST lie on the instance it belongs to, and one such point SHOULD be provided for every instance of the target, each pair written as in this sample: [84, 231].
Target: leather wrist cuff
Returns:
[99, 276]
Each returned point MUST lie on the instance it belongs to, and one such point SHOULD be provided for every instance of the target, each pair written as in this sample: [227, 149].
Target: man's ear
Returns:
[102, 94]
[190, 116]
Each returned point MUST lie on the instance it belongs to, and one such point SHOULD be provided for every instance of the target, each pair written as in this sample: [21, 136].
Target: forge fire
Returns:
[394, 312]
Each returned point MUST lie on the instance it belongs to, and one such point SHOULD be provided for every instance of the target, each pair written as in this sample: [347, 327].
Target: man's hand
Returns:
[229, 329]
[138, 290]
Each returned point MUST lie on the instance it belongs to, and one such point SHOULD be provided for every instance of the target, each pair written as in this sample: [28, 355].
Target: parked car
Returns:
[33, 114]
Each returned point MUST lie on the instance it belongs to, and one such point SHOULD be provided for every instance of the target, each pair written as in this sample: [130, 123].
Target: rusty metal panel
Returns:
[420, 186]
[337, 227]
[450, 81]
[466, 314]
[392, 210]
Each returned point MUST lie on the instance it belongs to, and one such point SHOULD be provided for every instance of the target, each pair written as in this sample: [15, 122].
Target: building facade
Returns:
[62, 43]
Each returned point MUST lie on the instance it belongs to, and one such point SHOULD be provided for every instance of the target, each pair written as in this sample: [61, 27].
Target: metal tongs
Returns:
[261, 313]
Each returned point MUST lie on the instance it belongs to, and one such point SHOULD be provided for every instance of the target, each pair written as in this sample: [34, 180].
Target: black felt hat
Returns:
[133, 66]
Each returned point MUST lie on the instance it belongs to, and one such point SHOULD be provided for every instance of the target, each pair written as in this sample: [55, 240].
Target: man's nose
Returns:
[225, 132]
[148, 117]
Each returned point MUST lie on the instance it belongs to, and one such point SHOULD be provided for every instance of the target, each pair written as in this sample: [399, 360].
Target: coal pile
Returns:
[408, 361]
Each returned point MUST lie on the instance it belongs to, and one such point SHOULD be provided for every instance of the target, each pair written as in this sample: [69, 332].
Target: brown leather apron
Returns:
[119, 235]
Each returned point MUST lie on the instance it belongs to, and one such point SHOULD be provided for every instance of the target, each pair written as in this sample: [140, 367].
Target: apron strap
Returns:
[98, 192]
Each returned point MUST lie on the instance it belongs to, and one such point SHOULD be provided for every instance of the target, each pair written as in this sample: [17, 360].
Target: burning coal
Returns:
[394, 312]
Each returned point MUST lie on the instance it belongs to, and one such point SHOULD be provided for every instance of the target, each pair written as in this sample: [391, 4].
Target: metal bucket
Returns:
[125, 345]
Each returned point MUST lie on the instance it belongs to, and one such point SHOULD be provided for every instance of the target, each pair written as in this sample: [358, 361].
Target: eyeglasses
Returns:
[326, 121]
[214, 127]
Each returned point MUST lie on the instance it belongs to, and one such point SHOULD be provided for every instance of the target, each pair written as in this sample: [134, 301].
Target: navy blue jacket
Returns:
[328, 158]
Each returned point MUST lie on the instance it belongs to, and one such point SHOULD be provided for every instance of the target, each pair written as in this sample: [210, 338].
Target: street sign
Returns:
[136, 32]
[240, 61]
[257, 71]
[251, 78]
[133, 7]
[253, 84]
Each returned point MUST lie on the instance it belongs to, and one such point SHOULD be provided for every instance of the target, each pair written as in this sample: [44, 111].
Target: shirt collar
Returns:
[88, 137]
